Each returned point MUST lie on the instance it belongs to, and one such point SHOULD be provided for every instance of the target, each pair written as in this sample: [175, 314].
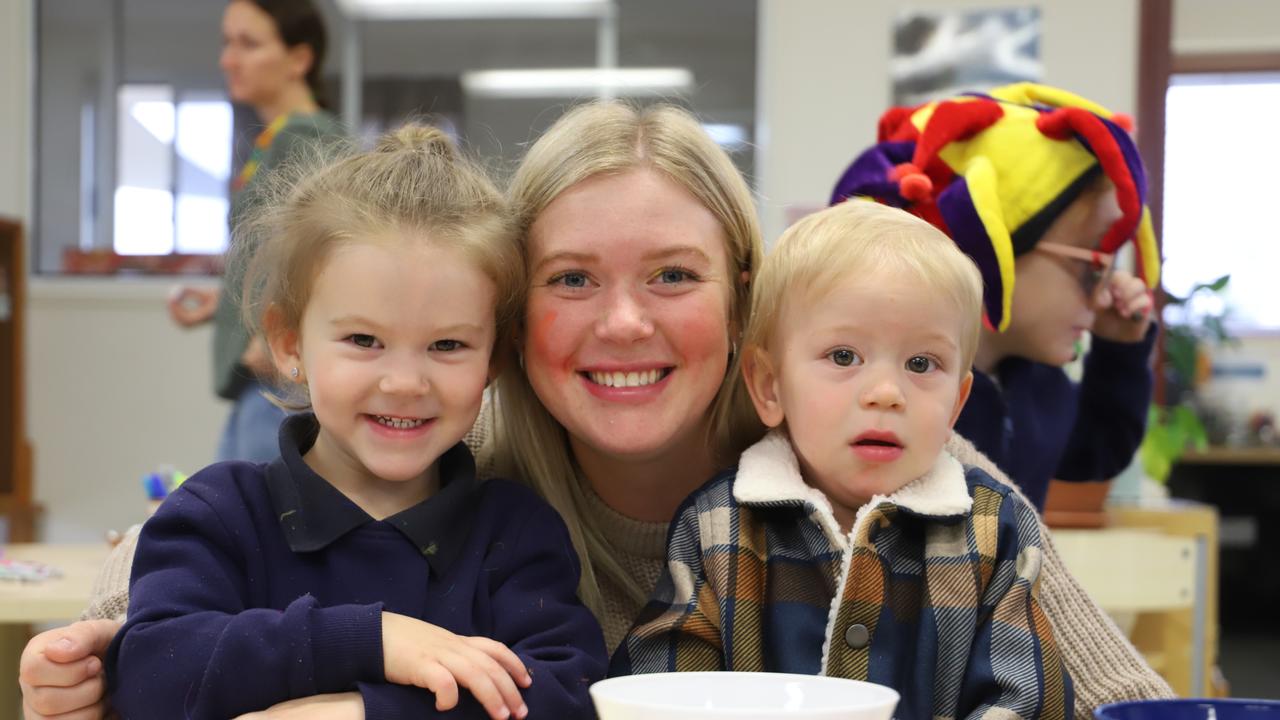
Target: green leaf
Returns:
[1155, 463]
[1180, 349]
[1170, 432]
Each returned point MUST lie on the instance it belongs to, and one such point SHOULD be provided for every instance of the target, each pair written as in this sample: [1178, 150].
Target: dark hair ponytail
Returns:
[299, 23]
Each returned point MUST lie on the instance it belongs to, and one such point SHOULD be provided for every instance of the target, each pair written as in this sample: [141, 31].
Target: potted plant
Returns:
[1180, 422]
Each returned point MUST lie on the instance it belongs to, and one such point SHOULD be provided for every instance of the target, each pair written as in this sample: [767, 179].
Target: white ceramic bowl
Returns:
[740, 696]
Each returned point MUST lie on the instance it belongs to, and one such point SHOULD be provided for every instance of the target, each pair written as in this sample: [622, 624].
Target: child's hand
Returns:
[60, 671]
[340, 706]
[1124, 309]
[419, 653]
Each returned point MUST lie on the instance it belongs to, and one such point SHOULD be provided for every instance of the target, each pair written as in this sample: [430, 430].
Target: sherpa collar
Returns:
[769, 474]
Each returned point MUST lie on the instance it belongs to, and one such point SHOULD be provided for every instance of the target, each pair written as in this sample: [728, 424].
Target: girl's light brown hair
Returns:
[614, 137]
[414, 186]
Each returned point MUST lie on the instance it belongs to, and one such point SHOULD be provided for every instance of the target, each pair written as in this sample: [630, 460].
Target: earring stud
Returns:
[294, 373]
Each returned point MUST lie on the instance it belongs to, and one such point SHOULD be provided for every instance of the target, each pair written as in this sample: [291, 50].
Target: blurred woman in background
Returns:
[272, 51]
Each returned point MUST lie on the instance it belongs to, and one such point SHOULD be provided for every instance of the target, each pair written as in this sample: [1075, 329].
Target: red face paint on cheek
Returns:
[702, 333]
[544, 340]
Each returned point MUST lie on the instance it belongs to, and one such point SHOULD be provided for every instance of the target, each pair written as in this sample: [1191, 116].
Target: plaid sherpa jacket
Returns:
[933, 592]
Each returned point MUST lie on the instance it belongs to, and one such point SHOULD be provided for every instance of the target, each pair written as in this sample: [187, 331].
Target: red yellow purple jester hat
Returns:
[994, 171]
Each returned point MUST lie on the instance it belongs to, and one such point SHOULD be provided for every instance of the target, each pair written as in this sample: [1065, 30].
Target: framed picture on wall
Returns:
[937, 53]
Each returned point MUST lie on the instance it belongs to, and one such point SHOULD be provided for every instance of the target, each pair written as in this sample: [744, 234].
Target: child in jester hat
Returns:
[1041, 188]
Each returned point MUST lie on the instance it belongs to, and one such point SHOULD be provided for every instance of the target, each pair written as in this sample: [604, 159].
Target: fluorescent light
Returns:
[572, 82]
[473, 9]
[727, 135]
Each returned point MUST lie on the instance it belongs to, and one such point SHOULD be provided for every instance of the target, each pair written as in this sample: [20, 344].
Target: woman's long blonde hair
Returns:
[613, 137]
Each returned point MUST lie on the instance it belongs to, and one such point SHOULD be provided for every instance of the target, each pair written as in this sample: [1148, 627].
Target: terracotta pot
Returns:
[1076, 504]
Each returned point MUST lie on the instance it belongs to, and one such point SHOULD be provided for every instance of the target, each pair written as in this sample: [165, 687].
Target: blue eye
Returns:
[844, 357]
[446, 345]
[362, 340]
[675, 275]
[921, 364]
[571, 279]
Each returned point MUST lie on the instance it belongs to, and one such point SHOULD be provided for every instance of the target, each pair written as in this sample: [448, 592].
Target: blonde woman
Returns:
[640, 238]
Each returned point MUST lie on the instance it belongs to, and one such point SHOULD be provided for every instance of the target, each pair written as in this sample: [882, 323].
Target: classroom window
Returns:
[1219, 194]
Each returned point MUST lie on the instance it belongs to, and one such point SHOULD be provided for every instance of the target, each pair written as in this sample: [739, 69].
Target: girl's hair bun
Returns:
[418, 138]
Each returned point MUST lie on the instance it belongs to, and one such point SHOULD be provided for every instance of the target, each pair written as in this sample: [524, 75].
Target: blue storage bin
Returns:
[1191, 709]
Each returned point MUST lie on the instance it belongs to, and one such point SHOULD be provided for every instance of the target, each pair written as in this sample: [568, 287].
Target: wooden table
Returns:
[58, 599]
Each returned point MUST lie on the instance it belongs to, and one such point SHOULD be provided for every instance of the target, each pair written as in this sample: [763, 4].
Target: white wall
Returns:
[823, 70]
[1220, 26]
[115, 390]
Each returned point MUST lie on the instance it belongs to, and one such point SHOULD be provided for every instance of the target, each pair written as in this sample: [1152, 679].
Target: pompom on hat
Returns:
[994, 171]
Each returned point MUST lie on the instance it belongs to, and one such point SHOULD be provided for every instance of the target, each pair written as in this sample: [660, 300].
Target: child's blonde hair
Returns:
[857, 241]
[414, 184]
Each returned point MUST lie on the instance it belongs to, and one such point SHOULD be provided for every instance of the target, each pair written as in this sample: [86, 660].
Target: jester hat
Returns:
[993, 171]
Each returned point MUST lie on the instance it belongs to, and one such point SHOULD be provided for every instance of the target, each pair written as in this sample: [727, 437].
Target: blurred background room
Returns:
[119, 144]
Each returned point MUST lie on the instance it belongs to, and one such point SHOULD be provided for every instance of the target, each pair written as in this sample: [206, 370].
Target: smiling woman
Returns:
[641, 236]
[631, 280]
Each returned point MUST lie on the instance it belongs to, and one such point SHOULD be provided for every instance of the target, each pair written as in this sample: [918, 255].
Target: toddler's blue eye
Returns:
[364, 341]
[921, 364]
[844, 357]
[446, 345]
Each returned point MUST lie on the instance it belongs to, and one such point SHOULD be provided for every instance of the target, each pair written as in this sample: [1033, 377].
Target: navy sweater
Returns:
[255, 584]
[1037, 425]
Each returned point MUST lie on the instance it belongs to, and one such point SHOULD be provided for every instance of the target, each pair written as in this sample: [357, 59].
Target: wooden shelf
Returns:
[15, 449]
[1232, 456]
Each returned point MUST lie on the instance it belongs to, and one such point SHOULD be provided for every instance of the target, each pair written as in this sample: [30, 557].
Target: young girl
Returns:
[367, 557]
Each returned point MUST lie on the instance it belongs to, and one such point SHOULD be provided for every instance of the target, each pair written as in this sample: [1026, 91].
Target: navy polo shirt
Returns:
[259, 583]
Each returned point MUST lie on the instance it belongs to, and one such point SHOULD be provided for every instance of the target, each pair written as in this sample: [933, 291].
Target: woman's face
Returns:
[626, 338]
[257, 64]
[1050, 309]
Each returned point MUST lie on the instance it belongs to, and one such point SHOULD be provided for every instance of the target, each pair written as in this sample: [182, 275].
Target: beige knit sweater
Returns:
[1104, 666]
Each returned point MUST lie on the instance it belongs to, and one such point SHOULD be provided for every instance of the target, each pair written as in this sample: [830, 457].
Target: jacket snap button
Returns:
[856, 637]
